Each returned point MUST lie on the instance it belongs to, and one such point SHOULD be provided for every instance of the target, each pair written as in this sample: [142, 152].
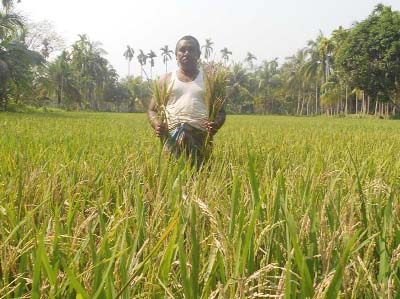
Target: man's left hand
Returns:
[211, 127]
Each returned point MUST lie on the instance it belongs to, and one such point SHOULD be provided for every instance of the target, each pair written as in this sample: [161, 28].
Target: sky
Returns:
[267, 28]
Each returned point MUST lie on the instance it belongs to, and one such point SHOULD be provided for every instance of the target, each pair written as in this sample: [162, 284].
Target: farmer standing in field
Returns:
[187, 123]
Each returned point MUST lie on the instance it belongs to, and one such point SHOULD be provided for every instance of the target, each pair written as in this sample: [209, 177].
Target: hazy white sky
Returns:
[266, 28]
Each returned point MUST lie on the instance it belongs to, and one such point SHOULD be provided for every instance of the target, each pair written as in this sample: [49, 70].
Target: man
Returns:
[186, 111]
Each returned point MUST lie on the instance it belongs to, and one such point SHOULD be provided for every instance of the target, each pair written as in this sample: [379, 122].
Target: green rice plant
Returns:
[234, 205]
[306, 282]
[286, 207]
[334, 286]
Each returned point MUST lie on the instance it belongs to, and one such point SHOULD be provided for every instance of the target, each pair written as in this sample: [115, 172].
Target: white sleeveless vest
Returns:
[186, 104]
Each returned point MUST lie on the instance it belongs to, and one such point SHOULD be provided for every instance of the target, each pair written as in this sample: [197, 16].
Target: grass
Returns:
[290, 207]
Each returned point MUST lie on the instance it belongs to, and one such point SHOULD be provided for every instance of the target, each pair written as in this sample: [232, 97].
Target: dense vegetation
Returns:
[91, 207]
[293, 207]
[355, 70]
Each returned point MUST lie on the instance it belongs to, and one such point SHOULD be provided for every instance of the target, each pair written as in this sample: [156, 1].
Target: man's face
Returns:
[187, 54]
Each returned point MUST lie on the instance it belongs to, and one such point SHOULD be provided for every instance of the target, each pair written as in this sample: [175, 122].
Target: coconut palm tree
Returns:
[337, 39]
[90, 68]
[129, 54]
[60, 76]
[10, 24]
[267, 77]
[325, 48]
[207, 48]
[8, 4]
[142, 58]
[166, 53]
[151, 55]
[238, 91]
[311, 70]
[225, 55]
[16, 62]
[319, 63]
[134, 86]
[249, 59]
[293, 78]
[15, 58]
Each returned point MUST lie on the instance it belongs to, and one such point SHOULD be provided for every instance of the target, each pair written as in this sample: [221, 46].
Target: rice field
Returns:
[90, 207]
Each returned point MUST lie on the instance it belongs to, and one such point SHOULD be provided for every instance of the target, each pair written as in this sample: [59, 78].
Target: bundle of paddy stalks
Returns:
[162, 93]
[216, 79]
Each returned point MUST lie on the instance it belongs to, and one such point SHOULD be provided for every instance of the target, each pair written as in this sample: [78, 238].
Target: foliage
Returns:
[319, 78]
[41, 37]
[370, 54]
[116, 94]
[88, 209]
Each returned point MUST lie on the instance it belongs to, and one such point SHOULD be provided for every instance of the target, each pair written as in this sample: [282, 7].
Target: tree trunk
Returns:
[316, 98]
[132, 106]
[346, 107]
[60, 91]
[363, 103]
[271, 111]
[395, 104]
[265, 106]
[298, 102]
[59, 97]
[356, 104]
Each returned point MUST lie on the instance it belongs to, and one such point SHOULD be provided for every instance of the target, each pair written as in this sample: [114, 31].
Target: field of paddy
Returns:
[287, 207]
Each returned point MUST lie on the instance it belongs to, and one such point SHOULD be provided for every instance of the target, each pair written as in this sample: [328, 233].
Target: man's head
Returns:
[187, 52]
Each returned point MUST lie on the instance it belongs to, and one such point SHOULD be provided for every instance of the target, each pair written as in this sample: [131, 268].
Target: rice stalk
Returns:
[162, 92]
[215, 78]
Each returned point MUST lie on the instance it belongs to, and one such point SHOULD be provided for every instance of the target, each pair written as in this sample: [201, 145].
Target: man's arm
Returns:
[220, 119]
[153, 119]
[214, 126]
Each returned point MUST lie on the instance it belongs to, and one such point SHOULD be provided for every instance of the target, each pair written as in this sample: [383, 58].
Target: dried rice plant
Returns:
[216, 78]
[162, 94]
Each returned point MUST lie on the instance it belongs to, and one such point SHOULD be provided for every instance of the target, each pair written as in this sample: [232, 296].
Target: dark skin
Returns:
[187, 54]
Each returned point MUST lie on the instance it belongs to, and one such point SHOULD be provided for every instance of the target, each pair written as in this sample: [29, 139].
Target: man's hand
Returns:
[211, 127]
[160, 129]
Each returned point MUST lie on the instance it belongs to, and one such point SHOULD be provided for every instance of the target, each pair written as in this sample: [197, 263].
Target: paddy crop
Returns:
[90, 207]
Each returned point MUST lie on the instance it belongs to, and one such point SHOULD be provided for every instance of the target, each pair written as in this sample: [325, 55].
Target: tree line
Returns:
[354, 70]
